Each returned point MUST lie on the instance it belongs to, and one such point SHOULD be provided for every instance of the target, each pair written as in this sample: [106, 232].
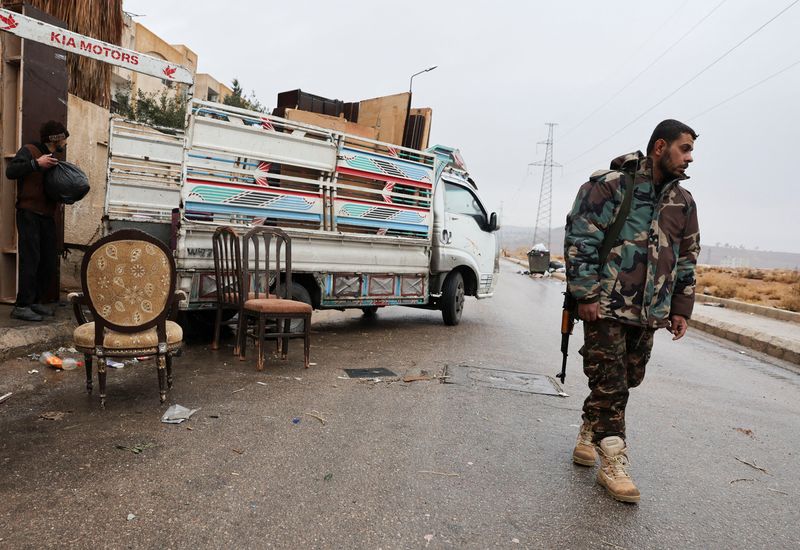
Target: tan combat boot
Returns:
[584, 453]
[613, 473]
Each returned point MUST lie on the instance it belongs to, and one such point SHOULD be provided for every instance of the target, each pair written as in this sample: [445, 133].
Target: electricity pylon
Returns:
[541, 233]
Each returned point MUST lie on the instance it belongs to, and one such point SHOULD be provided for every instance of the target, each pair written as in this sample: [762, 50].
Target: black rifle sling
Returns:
[616, 228]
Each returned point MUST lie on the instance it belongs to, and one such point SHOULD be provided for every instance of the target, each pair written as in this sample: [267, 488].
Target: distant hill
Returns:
[513, 238]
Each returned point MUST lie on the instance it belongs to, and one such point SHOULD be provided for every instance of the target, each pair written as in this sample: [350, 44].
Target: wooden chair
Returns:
[228, 273]
[263, 249]
[128, 282]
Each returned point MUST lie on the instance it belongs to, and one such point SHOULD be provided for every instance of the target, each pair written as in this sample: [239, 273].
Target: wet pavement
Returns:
[290, 458]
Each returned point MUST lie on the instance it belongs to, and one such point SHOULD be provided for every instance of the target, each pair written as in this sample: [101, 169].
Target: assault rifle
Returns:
[568, 320]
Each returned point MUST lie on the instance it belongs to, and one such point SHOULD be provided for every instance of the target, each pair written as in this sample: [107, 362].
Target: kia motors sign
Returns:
[32, 29]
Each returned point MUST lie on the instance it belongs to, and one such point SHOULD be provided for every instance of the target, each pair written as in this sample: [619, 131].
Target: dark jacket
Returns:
[30, 180]
[650, 271]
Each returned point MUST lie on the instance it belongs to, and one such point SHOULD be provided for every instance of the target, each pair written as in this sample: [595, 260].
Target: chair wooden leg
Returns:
[243, 335]
[307, 340]
[278, 341]
[169, 372]
[87, 361]
[217, 323]
[237, 346]
[287, 326]
[101, 379]
[161, 362]
[260, 346]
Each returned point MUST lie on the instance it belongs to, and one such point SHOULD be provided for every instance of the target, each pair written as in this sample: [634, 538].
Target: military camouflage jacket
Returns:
[650, 271]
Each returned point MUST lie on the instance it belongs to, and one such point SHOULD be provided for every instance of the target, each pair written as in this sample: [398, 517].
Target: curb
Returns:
[764, 311]
[780, 348]
[19, 341]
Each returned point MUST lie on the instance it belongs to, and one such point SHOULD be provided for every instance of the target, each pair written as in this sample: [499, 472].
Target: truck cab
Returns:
[465, 249]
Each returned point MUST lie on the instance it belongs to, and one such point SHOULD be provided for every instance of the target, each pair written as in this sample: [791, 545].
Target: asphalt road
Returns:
[402, 465]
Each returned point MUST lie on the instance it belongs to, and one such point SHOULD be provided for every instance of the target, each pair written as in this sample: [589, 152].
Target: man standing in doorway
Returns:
[36, 227]
[646, 282]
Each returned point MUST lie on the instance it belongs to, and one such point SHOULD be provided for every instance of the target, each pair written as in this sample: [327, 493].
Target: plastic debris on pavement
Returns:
[50, 359]
[115, 364]
[70, 364]
[295, 420]
[57, 359]
[5, 396]
[177, 414]
[52, 415]
[131, 517]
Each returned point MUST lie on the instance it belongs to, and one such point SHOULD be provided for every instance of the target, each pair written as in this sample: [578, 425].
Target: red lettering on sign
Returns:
[55, 37]
[97, 49]
[126, 57]
[116, 55]
[86, 46]
[134, 60]
[70, 42]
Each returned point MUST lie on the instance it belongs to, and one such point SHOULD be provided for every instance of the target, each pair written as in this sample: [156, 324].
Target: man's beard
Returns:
[668, 171]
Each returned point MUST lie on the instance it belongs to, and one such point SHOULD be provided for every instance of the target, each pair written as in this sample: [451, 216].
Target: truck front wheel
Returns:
[453, 298]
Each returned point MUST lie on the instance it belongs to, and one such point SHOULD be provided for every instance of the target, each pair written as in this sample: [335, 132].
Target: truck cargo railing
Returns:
[144, 172]
[247, 168]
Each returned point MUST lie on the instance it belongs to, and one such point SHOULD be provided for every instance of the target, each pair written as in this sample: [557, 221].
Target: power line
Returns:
[635, 78]
[737, 94]
[692, 79]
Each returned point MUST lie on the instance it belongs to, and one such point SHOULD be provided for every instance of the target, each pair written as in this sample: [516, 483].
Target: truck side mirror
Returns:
[493, 225]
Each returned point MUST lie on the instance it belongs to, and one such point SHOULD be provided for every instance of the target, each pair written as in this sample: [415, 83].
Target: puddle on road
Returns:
[466, 375]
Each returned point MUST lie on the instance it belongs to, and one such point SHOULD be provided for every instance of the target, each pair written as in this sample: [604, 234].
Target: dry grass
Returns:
[767, 287]
[89, 79]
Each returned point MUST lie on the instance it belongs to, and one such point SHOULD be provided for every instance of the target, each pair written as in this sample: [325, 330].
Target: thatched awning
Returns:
[89, 79]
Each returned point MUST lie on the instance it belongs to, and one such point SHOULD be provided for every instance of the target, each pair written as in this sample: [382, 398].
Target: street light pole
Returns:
[411, 81]
[408, 109]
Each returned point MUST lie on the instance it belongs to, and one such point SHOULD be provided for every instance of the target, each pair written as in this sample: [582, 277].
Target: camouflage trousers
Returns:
[614, 360]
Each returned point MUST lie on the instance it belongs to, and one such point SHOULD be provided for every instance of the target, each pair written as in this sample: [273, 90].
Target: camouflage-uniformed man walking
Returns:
[646, 283]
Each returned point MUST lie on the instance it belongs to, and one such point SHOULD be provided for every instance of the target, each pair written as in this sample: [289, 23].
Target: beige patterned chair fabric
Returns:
[128, 282]
[142, 342]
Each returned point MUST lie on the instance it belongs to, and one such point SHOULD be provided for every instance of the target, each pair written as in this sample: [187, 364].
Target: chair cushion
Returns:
[230, 297]
[266, 305]
[84, 337]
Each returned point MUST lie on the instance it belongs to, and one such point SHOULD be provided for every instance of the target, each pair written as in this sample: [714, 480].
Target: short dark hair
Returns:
[669, 130]
[52, 131]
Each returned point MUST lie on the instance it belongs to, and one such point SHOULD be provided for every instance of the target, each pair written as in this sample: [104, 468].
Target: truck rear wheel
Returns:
[370, 312]
[453, 298]
[300, 294]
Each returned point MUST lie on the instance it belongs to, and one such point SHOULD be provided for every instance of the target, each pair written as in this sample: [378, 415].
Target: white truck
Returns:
[372, 224]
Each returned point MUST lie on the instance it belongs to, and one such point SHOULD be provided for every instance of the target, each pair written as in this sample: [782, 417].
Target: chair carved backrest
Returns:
[128, 279]
[267, 258]
[228, 266]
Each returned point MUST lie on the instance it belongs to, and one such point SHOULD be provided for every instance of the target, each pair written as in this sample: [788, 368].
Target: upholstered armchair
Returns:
[128, 281]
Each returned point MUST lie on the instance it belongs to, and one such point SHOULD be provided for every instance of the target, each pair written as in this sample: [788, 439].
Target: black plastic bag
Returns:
[65, 183]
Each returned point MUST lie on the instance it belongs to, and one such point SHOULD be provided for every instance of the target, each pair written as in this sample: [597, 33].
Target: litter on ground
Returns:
[177, 414]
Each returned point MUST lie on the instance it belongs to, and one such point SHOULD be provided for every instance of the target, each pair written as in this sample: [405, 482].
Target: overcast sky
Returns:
[598, 69]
